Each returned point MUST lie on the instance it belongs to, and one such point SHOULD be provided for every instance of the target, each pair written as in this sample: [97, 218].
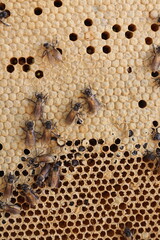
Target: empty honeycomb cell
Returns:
[155, 27]
[22, 60]
[10, 68]
[13, 61]
[116, 28]
[30, 60]
[38, 11]
[90, 50]
[2, 6]
[26, 67]
[88, 22]
[73, 37]
[105, 35]
[39, 74]
[128, 34]
[106, 49]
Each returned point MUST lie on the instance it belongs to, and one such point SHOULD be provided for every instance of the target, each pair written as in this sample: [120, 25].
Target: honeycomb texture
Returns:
[106, 45]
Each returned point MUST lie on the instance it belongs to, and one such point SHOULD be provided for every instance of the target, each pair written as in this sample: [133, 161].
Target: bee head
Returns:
[46, 45]
[10, 178]
[127, 232]
[24, 187]
[48, 124]
[77, 106]
[29, 125]
[88, 92]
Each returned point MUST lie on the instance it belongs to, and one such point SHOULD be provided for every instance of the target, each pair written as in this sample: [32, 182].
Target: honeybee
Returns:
[155, 134]
[149, 156]
[156, 60]
[157, 167]
[9, 187]
[30, 195]
[52, 52]
[30, 139]
[12, 209]
[3, 14]
[38, 109]
[45, 158]
[54, 176]
[128, 234]
[93, 103]
[43, 174]
[48, 132]
[74, 112]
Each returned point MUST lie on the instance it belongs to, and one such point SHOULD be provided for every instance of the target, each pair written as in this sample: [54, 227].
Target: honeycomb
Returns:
[106, 45]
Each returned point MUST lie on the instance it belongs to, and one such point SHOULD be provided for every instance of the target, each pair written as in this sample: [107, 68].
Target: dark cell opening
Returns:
[155, 123]
[77, 142]
[100, 141]
[88, 22]
[129, 69]
[113, 148]
[1, 146]
[13, 61]
[154, 27]
[1, 173]
[17, 173]
[30, 60]
[117, 141]
[142, 104]
[106, 49]
[148, 40]
[10, 68]
[25, 173]
[116, 28]
[93, 142]
[26, 151]
[26, 68]
[22, 60]
[39, 74]
[128, 34]
[90, 50]
[154, 74]
[105, 148]
[69, 143]
[38, 11]
[132, 27]
[130, 133]
[58, 3]
[105, 35]
[2, 6]
[20, 166]
[60, 50]
[73, 36]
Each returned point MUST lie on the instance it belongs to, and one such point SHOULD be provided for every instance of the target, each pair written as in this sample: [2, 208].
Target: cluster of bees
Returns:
[51, 167]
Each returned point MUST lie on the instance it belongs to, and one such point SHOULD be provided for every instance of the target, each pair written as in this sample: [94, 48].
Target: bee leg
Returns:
[154, 48]
[56, 135]
[23, 129]
[5, 23]
[31, 100]
[44, 53]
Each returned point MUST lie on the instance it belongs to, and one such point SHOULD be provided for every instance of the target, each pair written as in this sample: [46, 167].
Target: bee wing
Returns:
[155, 63]
[57, 55]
